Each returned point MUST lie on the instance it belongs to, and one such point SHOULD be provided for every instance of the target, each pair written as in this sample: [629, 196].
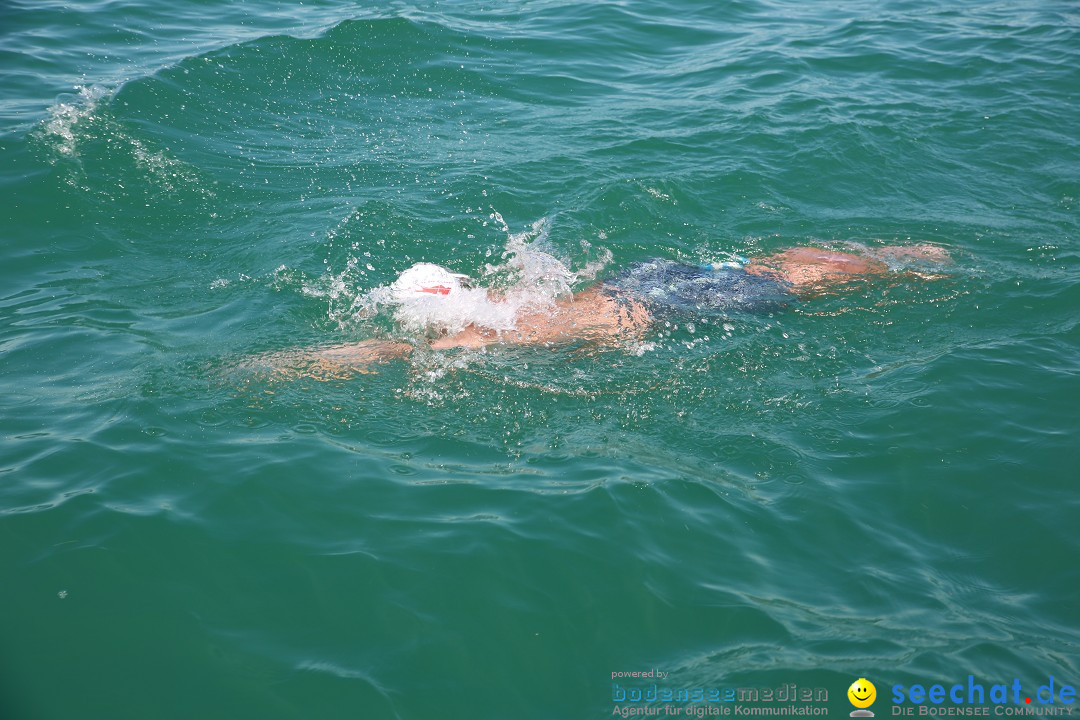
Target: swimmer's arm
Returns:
[362, 353]
[346, 360]
[338, 361]
[589, 315]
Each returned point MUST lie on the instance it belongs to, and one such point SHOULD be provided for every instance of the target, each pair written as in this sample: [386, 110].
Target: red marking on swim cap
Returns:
[436, 290]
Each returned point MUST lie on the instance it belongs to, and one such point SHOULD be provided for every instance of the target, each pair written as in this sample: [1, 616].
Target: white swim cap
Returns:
[425, 280]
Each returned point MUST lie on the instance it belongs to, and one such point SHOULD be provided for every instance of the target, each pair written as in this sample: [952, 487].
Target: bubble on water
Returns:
[167, 171]
[639, 348]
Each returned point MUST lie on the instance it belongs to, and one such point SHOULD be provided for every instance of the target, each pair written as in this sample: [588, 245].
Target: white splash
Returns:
[530, 277]
[84, 118]
[66, 114]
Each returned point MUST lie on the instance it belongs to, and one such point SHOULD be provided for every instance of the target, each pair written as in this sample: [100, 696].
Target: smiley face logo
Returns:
[862, 695]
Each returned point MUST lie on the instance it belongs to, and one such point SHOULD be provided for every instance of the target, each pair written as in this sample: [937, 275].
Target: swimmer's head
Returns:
[427, 280]
[431, 299]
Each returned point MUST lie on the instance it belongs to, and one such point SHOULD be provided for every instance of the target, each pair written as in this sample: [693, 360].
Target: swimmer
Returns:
[622, 308]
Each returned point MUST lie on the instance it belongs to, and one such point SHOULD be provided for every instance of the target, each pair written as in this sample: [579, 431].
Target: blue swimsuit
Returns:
[667, 287]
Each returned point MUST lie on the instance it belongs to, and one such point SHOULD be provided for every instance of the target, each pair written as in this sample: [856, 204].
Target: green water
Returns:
[876, 483]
